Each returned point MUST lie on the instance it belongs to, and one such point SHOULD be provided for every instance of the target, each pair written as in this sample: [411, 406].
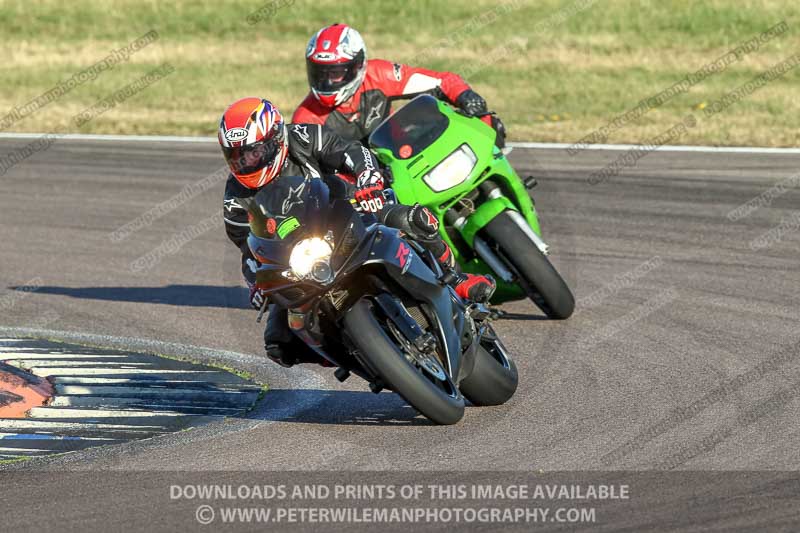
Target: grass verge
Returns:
[553, 70]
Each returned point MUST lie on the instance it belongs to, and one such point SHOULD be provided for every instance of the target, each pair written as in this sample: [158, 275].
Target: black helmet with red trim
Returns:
[252, 134]
[336, 62]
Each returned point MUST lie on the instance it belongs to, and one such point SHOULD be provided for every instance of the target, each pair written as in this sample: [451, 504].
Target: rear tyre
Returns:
[540, 280]
[494, 378]
[440, 402]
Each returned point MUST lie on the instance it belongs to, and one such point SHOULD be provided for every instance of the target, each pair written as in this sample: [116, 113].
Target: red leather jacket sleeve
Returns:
[396, 79]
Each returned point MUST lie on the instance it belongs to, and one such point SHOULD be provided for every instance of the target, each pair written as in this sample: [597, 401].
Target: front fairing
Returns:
[284, 211]
[292, 210]
[412, 151]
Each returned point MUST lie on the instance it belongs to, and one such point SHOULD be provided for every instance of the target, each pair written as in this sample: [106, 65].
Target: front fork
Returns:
[496, 202]
[486, 336]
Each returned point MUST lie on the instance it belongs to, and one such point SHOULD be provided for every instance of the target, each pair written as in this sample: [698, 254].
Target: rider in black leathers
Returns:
[259, 147]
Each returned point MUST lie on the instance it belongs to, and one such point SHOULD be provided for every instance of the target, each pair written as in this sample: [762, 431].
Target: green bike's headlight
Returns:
[453, 170]
[311, 256]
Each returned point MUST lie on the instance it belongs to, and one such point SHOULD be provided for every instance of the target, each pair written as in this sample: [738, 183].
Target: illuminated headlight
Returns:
[322, 272]
[454, 170]
[311, 256]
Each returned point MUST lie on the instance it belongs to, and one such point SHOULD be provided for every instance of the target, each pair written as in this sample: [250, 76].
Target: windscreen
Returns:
[412, 128]
[285, 210]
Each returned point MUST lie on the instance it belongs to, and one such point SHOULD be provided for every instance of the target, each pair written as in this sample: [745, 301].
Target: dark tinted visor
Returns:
[252, 157]
[328, 78]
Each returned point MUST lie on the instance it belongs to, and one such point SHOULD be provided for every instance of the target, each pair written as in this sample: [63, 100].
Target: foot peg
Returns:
[342, 374]
[497, 314]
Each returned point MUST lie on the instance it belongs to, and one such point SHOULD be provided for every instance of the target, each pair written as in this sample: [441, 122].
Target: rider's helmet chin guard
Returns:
[252, 134]
[336, 63]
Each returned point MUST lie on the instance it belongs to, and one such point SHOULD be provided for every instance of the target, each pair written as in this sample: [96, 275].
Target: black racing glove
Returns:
[471, 103]
[500, 128]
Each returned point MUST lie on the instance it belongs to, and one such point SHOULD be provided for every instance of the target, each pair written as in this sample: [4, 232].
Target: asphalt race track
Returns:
[686, 358]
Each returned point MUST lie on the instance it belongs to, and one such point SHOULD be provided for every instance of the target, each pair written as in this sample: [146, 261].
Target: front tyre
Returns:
[494, 378]
[540, 280]
[439, 401]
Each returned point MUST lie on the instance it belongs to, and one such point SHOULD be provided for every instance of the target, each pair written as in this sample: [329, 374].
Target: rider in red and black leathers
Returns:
[260, 148]
[353, 95]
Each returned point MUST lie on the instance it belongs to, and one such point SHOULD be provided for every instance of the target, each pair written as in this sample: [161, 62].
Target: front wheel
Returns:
[540, 280]
[494, 378]
[436, 398]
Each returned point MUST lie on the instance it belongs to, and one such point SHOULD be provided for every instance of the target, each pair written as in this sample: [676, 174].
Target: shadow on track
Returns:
[522, 316]
[183, 295]
[338, 407]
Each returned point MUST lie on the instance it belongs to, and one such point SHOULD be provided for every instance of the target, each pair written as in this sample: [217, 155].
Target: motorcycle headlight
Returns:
[453, 170]
[310, 256]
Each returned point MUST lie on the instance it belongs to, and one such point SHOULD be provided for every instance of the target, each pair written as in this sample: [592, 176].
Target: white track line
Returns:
[85, 402]
[191, 384]
[23, 451]
[91, 137]
[664, 148]
[137, 391]
[43, 371]
[55, 356]
[536, 145]
[47, 438]
[30, 424]
[62, 362]
[91, 414]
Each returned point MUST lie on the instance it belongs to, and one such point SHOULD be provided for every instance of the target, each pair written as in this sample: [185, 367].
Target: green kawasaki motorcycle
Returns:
[449, 163]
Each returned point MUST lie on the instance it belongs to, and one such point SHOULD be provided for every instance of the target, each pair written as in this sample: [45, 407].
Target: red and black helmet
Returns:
[252, 134]
[336, 61]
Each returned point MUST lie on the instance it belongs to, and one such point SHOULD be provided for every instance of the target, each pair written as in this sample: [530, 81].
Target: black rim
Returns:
[426, 365]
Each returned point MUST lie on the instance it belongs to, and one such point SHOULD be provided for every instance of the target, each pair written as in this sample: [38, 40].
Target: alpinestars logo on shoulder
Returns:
[302, 131]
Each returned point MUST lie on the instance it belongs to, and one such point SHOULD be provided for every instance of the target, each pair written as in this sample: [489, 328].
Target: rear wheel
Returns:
[540, 280]
[422, 383]
[494, 378]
